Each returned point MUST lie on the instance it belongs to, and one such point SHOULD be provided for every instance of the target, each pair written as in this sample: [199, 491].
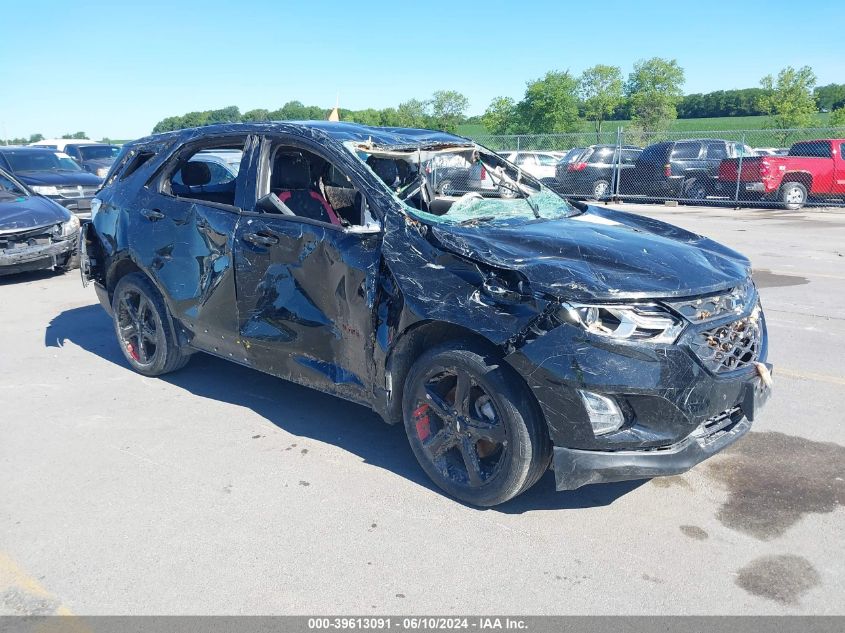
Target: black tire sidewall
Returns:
[166, 348]
[512, 403]
[694, 184]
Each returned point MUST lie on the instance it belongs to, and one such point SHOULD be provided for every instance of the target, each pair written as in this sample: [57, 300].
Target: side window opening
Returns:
[309, 186]
[811, 149]
[208, 173]
[716, 151]
[629, 156]
[684, 151]
[135, 162]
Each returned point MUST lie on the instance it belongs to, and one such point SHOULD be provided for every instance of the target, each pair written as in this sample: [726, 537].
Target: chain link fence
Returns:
[762, 168]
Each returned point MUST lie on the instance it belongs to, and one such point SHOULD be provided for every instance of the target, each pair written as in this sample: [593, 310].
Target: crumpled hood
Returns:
[22, 213]
[602, 254]
[58, 178]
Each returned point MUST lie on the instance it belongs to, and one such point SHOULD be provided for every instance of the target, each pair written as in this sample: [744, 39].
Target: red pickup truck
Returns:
[812, 168]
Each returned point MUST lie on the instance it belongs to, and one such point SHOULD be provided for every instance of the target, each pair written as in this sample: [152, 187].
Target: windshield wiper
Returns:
[534, 208]
[479, 219]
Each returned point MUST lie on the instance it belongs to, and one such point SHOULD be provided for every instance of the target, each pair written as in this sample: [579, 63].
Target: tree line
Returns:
[650, 97]
[445, 110]
[35, 138]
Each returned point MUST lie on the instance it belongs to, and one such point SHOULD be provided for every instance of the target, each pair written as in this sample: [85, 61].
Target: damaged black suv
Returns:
[505, 327]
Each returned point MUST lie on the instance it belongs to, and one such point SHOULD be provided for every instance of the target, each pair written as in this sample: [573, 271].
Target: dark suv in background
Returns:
[685, 169]
[592, 173]
[54, 175]
[96, 158]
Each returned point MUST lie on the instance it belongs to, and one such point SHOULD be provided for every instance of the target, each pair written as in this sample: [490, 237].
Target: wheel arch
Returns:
[803, 177]
[421, 336]
[126, 265]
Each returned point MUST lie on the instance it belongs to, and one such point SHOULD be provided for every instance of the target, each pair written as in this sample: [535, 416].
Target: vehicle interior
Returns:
[449, 175]
[303, 184]
[200, 180]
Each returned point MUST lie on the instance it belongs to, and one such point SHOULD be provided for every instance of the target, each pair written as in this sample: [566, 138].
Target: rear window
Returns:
[686, 150]
[717, 151]
[572, 155]
[601, 155]
[813, 149]
[654, 153]
[629, 156]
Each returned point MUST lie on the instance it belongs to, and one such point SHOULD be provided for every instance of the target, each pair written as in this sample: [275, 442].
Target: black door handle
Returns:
[261, 239]
[152, 214]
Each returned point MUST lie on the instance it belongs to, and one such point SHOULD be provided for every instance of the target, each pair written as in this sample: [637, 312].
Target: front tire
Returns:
[474, 426]
[792, 195]
[143, 328]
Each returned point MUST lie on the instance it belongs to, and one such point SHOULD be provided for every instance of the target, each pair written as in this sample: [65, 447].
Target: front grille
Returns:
[77, 191]
[713, 428]
[731, 346]
[32, 237]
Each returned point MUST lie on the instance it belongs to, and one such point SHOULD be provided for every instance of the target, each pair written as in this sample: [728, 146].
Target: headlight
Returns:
[45, 190]
[102, 172]
[645, 323]
[70, 227]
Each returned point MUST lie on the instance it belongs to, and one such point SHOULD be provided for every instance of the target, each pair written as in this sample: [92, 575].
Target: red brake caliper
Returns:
[421, 421]
[132, 351]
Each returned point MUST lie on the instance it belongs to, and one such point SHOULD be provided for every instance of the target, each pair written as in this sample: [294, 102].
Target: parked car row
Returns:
[69, 176]
[702, 170]
[35, 232]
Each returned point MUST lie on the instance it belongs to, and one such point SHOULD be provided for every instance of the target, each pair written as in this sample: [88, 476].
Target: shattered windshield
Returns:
[464, 184]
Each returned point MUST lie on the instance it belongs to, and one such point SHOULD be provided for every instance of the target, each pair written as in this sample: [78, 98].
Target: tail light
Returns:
[667, 170]
[764, 167]
[576, 166]
[483, 173]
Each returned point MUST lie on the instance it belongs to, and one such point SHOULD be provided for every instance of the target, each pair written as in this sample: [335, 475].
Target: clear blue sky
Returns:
[116, 68]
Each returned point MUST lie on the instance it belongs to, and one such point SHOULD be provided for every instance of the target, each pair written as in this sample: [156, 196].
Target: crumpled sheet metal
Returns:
[588, 259]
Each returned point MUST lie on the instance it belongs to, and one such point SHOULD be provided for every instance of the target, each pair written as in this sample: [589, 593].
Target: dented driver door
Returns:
[305, 301]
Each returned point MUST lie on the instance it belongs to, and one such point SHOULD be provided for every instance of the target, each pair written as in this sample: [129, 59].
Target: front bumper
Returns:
[575, 468]
[666, 394]
[36, 257]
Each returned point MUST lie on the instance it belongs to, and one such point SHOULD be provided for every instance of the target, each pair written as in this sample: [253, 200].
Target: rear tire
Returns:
[143, 330]
[696, 190]
[485, 446]
[792, 195]
[601, 190]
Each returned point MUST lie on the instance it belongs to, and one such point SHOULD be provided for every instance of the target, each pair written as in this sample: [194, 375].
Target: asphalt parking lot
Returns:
[220, 490]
